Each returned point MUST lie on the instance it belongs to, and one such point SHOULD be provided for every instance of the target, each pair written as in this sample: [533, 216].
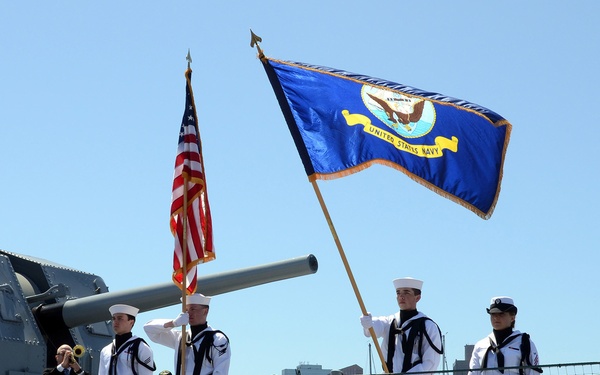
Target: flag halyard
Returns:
[189, 203]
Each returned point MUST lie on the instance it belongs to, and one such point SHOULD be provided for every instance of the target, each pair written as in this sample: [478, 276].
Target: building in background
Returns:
[308, 369]
[463, 364]
[352, 370]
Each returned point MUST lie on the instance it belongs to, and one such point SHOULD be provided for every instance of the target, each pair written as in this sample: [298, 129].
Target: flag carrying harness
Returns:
[525, 352]
[202, 351]
[135, 356]
[417, 327]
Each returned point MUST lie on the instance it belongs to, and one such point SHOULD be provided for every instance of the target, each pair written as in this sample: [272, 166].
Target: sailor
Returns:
[412, 342]
[127, 354]
[207, 350]
[505, 346]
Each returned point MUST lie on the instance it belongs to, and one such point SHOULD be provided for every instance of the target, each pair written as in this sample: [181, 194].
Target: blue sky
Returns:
[91, 99]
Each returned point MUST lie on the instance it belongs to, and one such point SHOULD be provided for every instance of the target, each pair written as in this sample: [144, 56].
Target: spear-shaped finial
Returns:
[254, 40]
[189, 58]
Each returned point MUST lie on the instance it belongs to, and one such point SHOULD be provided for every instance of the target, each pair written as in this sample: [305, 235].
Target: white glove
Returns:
[366, 321]
[181, 320]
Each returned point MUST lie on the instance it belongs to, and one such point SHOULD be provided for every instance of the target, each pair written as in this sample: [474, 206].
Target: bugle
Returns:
[78, 351]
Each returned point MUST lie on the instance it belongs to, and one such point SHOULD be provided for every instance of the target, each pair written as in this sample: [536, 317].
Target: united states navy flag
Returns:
[343, 122]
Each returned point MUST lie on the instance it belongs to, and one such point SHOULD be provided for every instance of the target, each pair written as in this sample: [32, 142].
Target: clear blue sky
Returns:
[92, 95]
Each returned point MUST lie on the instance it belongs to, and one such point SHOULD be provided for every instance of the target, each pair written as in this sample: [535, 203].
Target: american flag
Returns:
[189, 174]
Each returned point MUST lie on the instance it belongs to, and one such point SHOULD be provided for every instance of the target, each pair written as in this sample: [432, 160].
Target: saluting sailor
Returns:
[412, 342]
[207, 349]
[505, 346]
[127, 354]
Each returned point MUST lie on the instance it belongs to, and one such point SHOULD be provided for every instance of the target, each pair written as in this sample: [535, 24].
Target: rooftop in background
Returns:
[308, 369]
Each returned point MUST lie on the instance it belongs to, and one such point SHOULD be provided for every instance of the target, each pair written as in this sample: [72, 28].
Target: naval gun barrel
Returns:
[92, 309]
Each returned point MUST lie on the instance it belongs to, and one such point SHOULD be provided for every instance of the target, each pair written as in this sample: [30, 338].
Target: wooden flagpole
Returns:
[255, 40]
[348, 270]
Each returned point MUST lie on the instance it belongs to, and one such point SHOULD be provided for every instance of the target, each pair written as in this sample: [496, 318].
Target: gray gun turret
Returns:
[44, 305]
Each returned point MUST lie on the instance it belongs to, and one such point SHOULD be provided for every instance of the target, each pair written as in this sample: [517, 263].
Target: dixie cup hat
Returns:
[198, 299]
[123, 309]
[408, 282]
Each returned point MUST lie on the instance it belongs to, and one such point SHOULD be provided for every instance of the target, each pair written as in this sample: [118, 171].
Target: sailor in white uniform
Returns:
[207, 349]
[505, 346]
[127, 354]
[412, 342]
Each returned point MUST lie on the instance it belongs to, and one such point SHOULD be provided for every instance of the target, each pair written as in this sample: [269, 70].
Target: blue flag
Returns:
[342, 123]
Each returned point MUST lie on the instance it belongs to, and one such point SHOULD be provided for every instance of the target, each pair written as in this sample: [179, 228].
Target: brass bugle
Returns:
[78, 351]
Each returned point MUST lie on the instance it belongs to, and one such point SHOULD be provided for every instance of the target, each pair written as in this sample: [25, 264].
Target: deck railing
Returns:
[580, 368]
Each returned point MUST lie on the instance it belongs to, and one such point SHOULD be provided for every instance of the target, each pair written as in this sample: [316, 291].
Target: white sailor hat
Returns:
[123, 309]
[198, 299]
[408, 282]
[502, 304]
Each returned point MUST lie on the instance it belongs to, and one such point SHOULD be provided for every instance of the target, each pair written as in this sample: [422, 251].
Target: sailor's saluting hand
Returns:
[182, 319]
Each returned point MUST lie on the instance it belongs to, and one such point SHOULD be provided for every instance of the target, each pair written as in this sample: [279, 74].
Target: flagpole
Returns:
[184, 245]
[255, 41]
[184, 279]
[348, 270]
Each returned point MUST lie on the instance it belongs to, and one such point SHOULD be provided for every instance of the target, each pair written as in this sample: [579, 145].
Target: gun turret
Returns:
[44, 305]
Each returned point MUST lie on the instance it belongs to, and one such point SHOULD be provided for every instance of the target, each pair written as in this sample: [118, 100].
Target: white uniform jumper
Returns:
[123, 358]
[505, 354]
[429, 359]
[219, 351]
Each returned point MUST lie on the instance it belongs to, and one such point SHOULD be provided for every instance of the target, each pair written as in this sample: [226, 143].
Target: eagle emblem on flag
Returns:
[410, 117]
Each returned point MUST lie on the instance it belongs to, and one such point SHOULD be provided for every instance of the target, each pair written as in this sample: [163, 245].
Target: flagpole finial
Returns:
[189, 58]
[254, 40]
